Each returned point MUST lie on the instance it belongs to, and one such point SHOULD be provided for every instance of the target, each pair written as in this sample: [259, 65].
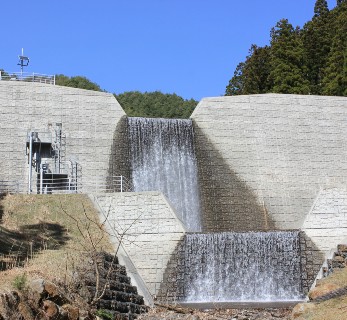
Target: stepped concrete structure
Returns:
[274, 161]
[265, 162]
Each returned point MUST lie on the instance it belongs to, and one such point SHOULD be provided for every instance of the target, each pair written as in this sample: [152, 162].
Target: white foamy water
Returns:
[163, 158]
[252, 266]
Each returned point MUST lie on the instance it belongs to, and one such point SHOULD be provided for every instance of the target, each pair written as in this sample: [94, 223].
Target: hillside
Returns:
[307, 60]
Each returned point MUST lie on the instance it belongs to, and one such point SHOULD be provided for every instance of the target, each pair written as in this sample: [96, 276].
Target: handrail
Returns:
[27, 77]
[52, 183]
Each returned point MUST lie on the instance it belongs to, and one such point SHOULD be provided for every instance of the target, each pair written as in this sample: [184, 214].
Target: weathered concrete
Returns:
[88, 120]
[148, 230]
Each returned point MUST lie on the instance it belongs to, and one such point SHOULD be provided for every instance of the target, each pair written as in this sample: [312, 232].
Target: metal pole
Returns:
[121, 183]
[30, 160]
[41, 178]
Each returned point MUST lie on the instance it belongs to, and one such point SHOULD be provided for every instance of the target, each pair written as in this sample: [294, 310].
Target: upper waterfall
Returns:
[163, 158]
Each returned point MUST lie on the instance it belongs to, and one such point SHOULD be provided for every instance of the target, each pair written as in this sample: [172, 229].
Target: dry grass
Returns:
[333, 309]
[49, 234]
[338, 277]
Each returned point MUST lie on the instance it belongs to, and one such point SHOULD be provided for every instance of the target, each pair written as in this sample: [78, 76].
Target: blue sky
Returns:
[187, 47]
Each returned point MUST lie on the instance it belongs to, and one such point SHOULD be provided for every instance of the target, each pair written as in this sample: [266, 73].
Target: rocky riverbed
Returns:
[162, 313]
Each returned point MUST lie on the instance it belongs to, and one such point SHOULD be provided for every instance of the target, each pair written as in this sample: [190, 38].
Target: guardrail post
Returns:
[30, 161]
[41, 178]
[121, 183]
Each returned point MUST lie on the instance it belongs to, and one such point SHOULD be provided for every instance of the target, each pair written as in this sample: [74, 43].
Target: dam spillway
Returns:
[240, 267]
[162, 158]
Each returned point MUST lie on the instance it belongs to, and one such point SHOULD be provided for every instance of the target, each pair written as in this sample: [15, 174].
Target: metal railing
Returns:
[108, 184]
[54, 184]
[27, 77]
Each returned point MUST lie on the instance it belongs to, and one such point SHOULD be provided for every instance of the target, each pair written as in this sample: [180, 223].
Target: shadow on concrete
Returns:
[2, 196]
[311, 261]
[119, 163]
[228, 203]
[17, 246]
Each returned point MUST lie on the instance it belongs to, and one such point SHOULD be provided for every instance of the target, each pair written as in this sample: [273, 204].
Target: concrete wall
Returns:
[151, 232]
[88, 120]
[326, 223]
[263, 159]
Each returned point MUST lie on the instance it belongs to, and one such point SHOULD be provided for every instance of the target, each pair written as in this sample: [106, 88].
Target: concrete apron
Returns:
[240, 304]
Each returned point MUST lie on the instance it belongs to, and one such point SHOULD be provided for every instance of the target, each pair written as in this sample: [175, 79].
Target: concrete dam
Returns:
[258, 166]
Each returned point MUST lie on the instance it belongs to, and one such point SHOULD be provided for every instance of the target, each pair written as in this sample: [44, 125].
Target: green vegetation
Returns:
[137, 104]
[155, 105]
[76, 82]
[104, 314]
[20, 282]
[311, 60]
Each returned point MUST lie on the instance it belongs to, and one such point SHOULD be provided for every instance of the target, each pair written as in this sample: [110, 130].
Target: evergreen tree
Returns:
[320, 8]
[287, 60]
[335, 72]
[312, 60]
[236, 83]
[252, 76]
[317, 39]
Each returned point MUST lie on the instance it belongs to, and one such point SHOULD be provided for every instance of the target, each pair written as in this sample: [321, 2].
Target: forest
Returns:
[307, 60]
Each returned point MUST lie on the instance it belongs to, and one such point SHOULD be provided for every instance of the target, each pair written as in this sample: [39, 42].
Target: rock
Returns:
[51, 309]
[342, 247]
[73, 312]
[25, 311]
[321, 290]
[51, 289]
[301, 308]
[38, 285]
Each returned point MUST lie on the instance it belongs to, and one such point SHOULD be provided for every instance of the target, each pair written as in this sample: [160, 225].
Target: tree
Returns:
[317, 39]
[155, 104]
[335, 72]
[311, 60]
[252, 76]
[320, 8]
[287, 60]
[76, 82]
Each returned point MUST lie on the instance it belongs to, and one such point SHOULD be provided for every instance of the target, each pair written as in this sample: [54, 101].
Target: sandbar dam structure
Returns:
[257, 171]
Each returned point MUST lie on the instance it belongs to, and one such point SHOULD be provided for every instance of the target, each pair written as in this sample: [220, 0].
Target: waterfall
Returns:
[252, 266]
[163, 158]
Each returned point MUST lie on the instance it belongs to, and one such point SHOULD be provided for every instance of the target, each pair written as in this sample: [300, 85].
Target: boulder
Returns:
[25, 311]
[72, 312]
[301, 308]
[51, 309]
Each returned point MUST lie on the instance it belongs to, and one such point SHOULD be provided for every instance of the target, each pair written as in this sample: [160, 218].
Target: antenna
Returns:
[23, 61]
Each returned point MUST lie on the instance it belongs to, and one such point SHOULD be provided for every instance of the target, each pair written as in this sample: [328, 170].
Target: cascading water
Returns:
[252, 266]
[163, 158]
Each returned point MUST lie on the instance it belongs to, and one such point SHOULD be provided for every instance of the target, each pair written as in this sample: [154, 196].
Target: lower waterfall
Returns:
[252, 266]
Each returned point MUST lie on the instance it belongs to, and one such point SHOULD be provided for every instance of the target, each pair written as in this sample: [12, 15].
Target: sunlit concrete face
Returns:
[283, 152]
[88, 120]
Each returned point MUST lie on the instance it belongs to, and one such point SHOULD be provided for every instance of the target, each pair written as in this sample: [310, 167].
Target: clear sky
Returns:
[187, 47]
